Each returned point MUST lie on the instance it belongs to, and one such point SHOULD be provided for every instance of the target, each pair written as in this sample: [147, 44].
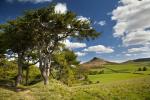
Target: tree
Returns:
[50, 28]
[41, 31]
[17, 40]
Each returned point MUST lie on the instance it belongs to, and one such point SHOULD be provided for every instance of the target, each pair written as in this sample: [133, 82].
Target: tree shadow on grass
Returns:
[9, 85]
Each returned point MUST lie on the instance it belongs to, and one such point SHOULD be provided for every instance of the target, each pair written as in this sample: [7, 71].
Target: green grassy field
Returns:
[116, 72]
[130, 89]
[105, 78]
[125, 84]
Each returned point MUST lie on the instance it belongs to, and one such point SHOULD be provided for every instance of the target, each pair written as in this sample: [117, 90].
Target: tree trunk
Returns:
[44, 76]
[19, 76]
[27, 75]
[45, 64]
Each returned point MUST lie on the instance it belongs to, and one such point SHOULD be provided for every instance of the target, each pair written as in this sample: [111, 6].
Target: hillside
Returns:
[133, 89]
[96, 63]
[138, 60]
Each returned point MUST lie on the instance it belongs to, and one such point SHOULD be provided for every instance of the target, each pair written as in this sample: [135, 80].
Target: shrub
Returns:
[144, 69]
[93, 72]
[139, 69]
[90, 82]
[97, 82]
[101, 72]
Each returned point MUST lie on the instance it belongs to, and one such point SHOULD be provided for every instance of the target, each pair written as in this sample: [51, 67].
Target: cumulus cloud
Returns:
[74, 45]
[60, 8]
[139, 37]
[33, 1]
[99, 49]
[133, 22]
[139, 50]
[80, 54]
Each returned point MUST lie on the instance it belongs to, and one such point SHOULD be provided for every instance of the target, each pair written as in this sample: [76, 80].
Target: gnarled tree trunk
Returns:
[27, 75]
[20, 65]
[45, 63]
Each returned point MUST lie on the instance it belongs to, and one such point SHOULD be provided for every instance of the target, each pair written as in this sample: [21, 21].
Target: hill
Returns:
[138, 60]
[96, 63]
[132, 89]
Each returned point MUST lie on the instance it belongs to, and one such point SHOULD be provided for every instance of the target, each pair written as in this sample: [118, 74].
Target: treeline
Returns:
[36, 38]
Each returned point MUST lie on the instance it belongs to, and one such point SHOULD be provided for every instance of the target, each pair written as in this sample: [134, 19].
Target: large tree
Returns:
[50, 28]
[41, 31]
[17, 42]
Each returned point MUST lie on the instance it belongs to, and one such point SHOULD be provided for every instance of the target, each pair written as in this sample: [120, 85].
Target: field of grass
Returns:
[105, 78]
[124, 67]
[116, 72]
[125, 84]
[131, 89]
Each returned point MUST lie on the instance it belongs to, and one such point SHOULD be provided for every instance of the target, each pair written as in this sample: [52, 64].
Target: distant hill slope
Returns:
[95, 63]
[139, 60]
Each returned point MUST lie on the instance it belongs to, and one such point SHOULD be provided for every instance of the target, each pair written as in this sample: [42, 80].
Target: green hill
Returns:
[132, 89]
[118, 82]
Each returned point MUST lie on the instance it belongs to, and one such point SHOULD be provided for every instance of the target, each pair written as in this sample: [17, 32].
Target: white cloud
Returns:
[74, 45]
[139, 37]
[128, 54]
[83, 19]
[80, 54]
[138, 50]
[99, 49]
[102, 23]
[60, 8]
[33, 1]
[133, 20]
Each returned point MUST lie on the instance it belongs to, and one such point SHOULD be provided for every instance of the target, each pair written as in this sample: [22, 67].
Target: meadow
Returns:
[126, 84]
[116, 72]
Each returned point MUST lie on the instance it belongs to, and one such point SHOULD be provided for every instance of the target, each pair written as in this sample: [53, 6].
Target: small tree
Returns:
[66, 64]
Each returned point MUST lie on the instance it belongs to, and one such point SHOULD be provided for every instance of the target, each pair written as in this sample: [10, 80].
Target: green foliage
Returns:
[37, 34]
[8, 73]
[96, 72]
[144, 68]
[139, 69]
[66, 64]
[8, 70]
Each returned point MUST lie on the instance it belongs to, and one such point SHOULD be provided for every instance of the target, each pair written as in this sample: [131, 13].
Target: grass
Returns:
[54, 91]
[104, 78]
[124, 67]
[125, 84]
[131, 89]
[116, 72]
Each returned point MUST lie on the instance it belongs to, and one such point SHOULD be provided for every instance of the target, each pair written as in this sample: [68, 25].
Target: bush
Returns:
[90, 82]
[97, 82]
[101, 72]
[139, 69]
[93, 72]
[144, 69]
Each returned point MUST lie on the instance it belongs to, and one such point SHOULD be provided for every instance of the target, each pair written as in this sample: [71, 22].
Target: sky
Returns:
[124, 25]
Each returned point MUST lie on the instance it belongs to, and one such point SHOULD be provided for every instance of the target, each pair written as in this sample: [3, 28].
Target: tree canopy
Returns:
[38, 33]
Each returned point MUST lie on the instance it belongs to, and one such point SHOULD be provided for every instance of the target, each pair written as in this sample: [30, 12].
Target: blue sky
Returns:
[121, 39]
